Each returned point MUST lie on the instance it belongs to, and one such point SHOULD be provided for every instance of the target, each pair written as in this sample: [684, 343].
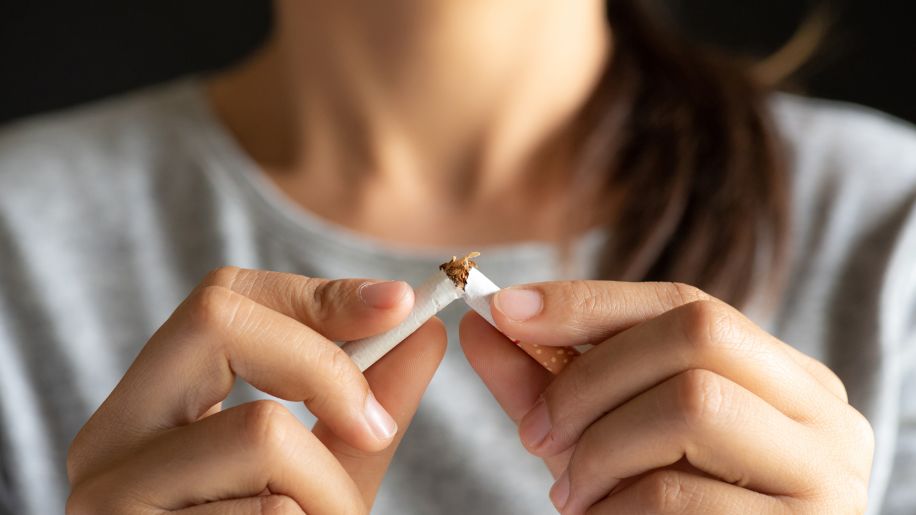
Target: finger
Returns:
[340, 310]
[262, 505]
[191, 364]
[589, 312]
[702, 335]
[514, 379]
[819, 371]
[583, 312]
[234, 454]
[398, 380]
[718, 426]
[671, 491]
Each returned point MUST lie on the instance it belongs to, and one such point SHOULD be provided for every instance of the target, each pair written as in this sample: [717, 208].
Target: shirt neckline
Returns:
[302, 228]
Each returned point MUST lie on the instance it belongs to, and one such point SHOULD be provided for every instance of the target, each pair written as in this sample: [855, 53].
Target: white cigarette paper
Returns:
[454, 280]
[431, 297]
[478, 293]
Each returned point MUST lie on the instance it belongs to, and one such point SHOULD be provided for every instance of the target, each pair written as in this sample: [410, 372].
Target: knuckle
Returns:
[212, 308]
[74, 461]
[92, 496]
[322, 306]
[278, 505]
[586, 307]
[863, 428]
[699, 397]
[342, 369]
[78, 467]
[705, 324]
[224, 276]
[586, 296]
[860, 501]
[662, 492]
[337, 379]
[584, 464]
[839, 385]
[265, 426]
[863, 438]
[857, 496]
[78, 503]
[341, 374]
[678, 294]
[587, 302]
[825, 376]
[570, 391]
[848, 496]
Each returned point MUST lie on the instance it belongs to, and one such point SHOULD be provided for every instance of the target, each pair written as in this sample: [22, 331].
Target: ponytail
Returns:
[678, 143]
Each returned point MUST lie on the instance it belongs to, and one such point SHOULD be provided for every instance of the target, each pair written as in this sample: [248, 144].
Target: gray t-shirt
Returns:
[109, 214]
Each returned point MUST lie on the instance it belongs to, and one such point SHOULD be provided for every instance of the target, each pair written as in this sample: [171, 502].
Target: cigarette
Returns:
[456, 279]
[431, 297]
[478, 294]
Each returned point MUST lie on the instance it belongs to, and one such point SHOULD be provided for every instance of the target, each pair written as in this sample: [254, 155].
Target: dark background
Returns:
[57, 53]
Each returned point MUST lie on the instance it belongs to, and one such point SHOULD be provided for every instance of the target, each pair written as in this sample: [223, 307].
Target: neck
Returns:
[438, 99]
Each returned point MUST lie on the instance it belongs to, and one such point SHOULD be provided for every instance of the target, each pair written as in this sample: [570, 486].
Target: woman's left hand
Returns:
[683, 405]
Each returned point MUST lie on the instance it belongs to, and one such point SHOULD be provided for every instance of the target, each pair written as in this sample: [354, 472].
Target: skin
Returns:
[367, 113]
[161, 442]
[681, 405]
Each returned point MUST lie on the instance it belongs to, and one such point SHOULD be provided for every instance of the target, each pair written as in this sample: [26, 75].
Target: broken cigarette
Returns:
[431, 297]
[458, 278]
[478, 294]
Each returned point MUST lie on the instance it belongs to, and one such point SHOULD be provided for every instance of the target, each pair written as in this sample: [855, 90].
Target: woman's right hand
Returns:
[161, 442]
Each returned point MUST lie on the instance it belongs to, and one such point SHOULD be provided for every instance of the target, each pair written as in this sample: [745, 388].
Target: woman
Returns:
[372, 139]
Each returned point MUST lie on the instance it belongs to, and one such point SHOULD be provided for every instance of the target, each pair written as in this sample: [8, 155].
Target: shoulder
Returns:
[846, 146]
[120, 118]
[852, 169]
[94, 162]
[81, 184]
[853, 174]
[92, 144]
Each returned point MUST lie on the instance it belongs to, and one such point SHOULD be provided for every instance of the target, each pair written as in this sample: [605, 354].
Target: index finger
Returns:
[248, 323]
[571, 313]
[589, 312]
[192, 362]
[339, 310]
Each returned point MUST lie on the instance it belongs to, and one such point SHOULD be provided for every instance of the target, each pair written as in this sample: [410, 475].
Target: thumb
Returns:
[398, 381]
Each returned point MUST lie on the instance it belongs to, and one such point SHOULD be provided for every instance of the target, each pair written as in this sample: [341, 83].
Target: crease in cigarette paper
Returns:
[455, 279]
[431, 297]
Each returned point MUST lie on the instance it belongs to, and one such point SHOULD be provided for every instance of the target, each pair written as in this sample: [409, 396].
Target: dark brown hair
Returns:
[679, 143]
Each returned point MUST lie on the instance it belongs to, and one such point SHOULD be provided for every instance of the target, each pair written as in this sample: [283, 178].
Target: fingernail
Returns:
[383, 295]
[559, 492]
[535, 426]
[383, 426]
[519, 304]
